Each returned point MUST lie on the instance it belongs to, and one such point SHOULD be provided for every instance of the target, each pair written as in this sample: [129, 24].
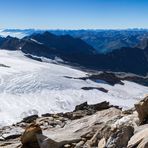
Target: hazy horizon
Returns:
[73, 29]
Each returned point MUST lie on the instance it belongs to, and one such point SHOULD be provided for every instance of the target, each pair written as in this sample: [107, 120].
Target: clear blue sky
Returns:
[74, 14]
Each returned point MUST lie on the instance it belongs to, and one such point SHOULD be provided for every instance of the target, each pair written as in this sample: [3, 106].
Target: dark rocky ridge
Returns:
[114, 78]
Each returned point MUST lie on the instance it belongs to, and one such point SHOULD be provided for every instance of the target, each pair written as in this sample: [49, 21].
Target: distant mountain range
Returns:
[74, 50]
[102, 41]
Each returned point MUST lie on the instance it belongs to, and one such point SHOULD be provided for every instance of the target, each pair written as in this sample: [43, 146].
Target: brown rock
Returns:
[29, 137]
[142, 109]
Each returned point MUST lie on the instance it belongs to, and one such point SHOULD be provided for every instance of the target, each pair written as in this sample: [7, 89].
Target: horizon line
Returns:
[138, 28]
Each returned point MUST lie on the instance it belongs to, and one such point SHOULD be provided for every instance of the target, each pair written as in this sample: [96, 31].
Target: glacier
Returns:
[31, 87]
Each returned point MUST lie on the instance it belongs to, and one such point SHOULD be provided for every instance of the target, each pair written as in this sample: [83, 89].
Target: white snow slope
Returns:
[29, 87]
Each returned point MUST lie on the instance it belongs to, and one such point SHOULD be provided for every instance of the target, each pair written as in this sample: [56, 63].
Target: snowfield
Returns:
[31, 87]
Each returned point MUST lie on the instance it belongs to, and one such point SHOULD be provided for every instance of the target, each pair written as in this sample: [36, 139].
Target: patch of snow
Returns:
[36, 41]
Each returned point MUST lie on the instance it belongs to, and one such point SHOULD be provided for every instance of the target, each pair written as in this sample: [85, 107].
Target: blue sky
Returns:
[74, 14]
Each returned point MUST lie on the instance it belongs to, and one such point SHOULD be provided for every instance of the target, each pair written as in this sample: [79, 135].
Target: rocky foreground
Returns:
[98, 126]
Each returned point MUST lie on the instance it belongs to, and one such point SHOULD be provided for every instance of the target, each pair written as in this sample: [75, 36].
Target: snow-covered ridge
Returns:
[28, 86]
[17, 33]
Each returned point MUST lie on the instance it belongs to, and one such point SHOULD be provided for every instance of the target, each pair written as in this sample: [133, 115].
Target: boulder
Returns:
[142, 109]
[102, 143]
[120, 137]
[29, 137]
[139, 139]
[45, 142]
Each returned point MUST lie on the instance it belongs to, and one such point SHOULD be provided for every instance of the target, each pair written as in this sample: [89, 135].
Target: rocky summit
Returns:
[88, 126]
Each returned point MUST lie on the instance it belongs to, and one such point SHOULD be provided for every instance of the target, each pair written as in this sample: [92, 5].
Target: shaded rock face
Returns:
[65, 44]
[142, 109]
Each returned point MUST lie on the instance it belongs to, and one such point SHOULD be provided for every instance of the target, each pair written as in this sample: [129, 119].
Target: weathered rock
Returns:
[143, 143]
[142, 109]
[94, 140]
[76, 129]
[13, 143]
[102, 143]
[140, 128]
[120, 138]
[45, 142]
[29, 137]
[84, 130]
[79, 144]
[140, 138]
[11, 132]
[128, 120]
